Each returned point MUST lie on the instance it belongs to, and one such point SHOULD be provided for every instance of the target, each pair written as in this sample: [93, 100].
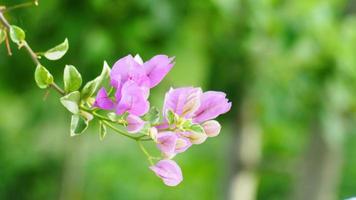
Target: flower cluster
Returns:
[188, 112]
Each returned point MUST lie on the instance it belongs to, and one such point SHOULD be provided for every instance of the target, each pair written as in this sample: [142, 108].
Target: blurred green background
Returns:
[289, 67]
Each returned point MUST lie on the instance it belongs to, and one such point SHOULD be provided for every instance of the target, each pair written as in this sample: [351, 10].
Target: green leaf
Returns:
[2, 35]
[58, 51]
[43, 77]
[153, 116]
[197, 128]
[92, 86]
[17, 35]
[102, 131]
[171, 117]
[71, 102]
[187, 124]
[78, 125]
[71, 78]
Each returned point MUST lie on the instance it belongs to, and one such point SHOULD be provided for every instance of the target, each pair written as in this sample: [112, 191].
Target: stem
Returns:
[119, 131]
[144, 150]
[29, 51]
[22, 5]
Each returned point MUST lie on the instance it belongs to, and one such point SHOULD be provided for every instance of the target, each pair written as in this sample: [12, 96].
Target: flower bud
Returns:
[153, 133]
[134, 124]
[212, 128]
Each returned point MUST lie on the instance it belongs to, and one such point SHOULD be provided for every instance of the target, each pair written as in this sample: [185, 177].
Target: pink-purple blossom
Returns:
[168, 171]
[134, 124]
[103, 101]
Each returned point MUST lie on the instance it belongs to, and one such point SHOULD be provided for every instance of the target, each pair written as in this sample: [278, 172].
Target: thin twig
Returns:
[22, 5]
[30, 52]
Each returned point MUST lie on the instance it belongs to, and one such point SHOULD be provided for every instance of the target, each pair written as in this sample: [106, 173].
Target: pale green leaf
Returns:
[58, 51]
[102, 131]
[71, 102]
[78, 125]
[71, 78]
[92, 86]
[43, 77]
[17, 35]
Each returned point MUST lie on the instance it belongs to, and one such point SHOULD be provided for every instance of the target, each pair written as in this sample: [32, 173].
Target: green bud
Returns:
[71, 78]
[58, 51]
[71, 102]
[17, 35]
[43, 77]
[197, 128]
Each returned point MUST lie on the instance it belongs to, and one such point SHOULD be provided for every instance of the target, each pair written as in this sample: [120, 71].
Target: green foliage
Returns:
[43, 77]
[72, 79]
[58, 51]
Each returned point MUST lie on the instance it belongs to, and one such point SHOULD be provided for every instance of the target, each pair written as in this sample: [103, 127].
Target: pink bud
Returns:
[134, 124]
[212, 128]
[195, 138]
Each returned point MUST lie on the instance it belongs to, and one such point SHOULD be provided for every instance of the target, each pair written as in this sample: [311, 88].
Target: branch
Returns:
[29, 51]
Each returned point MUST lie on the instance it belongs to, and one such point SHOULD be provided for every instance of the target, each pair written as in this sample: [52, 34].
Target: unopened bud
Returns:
[212, 128]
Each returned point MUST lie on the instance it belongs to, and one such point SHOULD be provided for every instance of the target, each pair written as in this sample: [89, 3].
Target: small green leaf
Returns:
[78, 125]
[2, 35]
[92, 86]
[58, 51]
[171, 117]
[197, 128]
[17, 35]
[42, 77]
[71, 78]
[153, 116]
[102, 131]
[71, 102]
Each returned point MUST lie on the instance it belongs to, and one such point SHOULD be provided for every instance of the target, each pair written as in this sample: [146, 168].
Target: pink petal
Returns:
[133, 100]
[134, 124]
[157, 68]
[166, 142]
[103, 101]
[182, 101]
[168, 171]
[128, 68]
[212, 105]
[182, 144]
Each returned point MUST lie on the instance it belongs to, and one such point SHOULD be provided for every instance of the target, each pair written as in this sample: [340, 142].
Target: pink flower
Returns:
[133, 79]
[133, 100]
[103, 101]
[166, 143]
[171, 143]
[182, 101]
[157, 68]
[168, 171]
[134, 124]
[212, 105]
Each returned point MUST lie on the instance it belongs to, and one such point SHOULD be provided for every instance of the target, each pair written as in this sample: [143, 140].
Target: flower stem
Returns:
[144, 150]
[118, 130]
[22, 5]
